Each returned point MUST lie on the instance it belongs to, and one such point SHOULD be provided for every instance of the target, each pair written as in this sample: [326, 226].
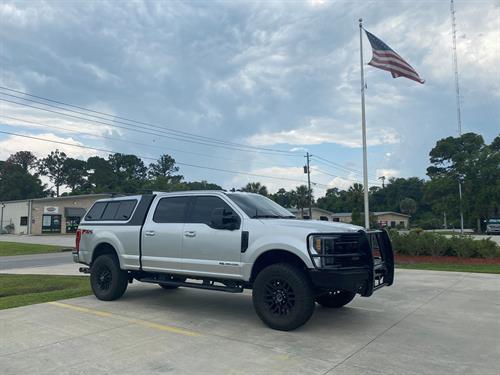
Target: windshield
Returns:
[494, 221]
[258, 206]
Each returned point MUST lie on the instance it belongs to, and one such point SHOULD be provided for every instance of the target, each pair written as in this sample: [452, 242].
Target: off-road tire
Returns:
[107, 280]
[283, 297]
[169, 287]
[335, 298]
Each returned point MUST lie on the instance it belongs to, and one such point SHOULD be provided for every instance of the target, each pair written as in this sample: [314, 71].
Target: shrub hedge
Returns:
[417, 242]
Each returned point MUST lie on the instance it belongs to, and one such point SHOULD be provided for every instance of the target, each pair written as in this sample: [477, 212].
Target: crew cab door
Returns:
[207, 250]
[162, 234]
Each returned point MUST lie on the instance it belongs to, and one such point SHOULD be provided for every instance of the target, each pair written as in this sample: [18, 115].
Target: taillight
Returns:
[79, 234]
[78, 238]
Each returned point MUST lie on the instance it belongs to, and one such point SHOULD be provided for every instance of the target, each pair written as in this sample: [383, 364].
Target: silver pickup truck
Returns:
[230, 242]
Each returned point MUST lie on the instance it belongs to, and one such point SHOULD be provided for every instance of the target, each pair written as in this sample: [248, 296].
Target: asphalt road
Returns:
[35, 260]
[427, 323]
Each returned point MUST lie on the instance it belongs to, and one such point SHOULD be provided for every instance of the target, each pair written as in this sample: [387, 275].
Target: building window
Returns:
[402, 223]
[393, 224]
[336, 219]
[323, 218]
[23, 221]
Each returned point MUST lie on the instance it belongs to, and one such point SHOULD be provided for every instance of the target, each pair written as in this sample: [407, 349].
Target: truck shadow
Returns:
[201, 308]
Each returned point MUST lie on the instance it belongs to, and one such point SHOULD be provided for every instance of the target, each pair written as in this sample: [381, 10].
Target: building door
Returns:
[51, 224]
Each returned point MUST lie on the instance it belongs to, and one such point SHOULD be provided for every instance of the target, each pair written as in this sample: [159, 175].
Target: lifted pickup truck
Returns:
[230, 242]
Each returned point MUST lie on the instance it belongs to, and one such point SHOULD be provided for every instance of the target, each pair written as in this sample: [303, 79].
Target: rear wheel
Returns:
[335, 298]
[283, 296]
[107, 280]
[178, 279]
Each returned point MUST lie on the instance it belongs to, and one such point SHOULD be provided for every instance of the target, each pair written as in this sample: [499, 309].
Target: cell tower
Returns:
[455, 66]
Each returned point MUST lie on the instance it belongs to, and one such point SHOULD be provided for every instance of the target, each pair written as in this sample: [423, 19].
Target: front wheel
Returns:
[335, 298]
[107, 280]
[283, 297]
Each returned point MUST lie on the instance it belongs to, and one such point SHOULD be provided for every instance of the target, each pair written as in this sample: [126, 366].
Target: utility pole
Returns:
[308, 171]
[383, 181]
[459, 109]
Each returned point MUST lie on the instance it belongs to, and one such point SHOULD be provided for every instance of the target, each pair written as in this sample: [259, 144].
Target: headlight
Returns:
[323, 244]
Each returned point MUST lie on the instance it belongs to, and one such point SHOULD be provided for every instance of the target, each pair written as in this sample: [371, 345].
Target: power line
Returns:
[344, 178]
[154, 159]
[332, 164]
[147, 126]
[142, 131]
[127, 141]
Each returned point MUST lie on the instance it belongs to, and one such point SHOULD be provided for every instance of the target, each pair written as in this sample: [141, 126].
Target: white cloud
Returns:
[324, 130]
[387, 172]
[40, 149]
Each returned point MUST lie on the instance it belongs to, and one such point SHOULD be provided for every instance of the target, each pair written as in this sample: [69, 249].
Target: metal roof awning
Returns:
[74, 211]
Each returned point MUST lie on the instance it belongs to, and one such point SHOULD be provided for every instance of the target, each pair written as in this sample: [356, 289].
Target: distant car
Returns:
[493, 226]
[229, 242]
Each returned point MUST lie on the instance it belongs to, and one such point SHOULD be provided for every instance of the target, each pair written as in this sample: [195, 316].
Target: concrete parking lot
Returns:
[428, 323]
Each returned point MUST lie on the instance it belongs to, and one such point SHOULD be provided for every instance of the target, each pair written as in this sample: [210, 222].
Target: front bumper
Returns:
[368, 264]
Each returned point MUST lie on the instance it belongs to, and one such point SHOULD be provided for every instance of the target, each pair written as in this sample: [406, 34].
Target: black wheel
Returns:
[283, 297]
[335, 298]
[108, 281]
[179, 279]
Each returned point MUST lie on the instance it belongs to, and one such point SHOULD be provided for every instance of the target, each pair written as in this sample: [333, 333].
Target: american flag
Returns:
[386, 59]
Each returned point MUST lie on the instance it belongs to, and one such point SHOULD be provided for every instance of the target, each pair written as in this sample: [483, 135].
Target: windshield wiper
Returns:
[259, 216]
[272, 217]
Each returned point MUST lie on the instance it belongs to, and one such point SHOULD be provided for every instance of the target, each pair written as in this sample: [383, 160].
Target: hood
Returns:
[314, 225]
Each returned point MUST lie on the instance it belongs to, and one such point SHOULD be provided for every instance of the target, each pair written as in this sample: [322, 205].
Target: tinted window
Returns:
[96, 211]
[171, 210]
[203, 207]
[125, 210]
[110, 211]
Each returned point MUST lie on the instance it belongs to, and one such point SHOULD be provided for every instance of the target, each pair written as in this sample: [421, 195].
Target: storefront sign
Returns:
[51, 210]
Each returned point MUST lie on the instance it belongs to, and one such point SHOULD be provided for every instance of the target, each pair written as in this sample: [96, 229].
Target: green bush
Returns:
[417, 242]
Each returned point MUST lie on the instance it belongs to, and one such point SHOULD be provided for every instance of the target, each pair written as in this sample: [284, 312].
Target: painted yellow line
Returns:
[144, 323]
[82, 309]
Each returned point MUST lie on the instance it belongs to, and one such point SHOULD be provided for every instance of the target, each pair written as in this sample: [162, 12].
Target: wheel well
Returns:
[275, 256]
[101, 249]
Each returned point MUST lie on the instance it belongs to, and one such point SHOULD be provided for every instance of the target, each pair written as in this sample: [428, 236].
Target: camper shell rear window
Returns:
[120, 210]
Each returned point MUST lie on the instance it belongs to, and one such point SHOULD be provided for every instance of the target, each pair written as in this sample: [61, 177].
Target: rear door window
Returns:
[171, 210]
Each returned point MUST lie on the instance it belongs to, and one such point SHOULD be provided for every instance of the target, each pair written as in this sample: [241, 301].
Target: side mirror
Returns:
[224, 219]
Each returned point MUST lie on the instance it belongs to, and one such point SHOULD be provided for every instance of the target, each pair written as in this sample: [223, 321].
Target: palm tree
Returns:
[255, 187]
[302, 197]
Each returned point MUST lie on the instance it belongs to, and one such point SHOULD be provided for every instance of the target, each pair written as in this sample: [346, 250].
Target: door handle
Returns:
[190, 233]
[149, 233]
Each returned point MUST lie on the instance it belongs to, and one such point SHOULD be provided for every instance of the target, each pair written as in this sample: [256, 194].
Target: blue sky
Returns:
[280, 75]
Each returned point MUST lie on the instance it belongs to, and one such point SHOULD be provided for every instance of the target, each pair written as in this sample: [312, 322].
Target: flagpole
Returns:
[363, 127]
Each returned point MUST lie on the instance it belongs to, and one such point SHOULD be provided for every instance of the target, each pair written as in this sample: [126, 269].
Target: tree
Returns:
[53, 167]
[164, 167]
[17, 183]
[101, 176]
[302, 197]
[75, 173]
[129, 170]
[255, 187]
[284, 198]
[408, 206]
[468, 160]
[25, 159]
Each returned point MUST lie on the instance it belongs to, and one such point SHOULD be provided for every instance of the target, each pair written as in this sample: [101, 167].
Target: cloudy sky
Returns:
[226, 84]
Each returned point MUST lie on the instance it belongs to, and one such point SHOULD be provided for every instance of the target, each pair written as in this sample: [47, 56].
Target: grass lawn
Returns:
[15, 248]
[481, 268]
[21, 290]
